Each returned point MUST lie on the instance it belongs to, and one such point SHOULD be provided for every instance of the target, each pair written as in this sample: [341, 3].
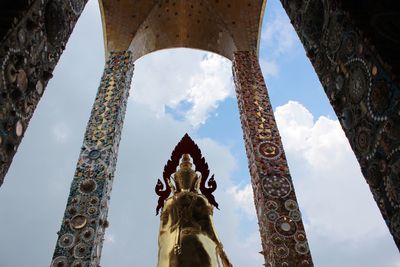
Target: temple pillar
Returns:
[363, 90]
[282, 232]
[29, 51]
[81, 236]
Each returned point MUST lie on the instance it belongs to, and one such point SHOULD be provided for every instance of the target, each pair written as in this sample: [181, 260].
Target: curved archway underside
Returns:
[219, 26]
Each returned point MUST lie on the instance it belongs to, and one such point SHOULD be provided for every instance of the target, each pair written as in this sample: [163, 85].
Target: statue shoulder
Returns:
[168, 202]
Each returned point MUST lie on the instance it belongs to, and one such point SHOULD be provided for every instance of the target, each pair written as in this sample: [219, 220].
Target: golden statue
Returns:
[187, 236]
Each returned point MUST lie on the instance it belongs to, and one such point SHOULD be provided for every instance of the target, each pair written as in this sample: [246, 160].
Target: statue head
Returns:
[186, 179]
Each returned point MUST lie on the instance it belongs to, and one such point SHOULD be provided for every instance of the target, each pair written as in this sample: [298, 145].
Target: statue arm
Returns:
[223, 256]
[220, 249]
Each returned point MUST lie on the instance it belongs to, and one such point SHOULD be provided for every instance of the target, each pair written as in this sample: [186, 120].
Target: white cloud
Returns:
[211, 86]
[158, 82]
[61, 132]
[296, 123]
[330, 184]
[278, 37]
[193, 88]
[337, 205]
[269, 68]
[279, 33]
[243, 198]
[109, 238]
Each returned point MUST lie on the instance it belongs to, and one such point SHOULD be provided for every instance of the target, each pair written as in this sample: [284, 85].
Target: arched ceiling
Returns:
[144, 26]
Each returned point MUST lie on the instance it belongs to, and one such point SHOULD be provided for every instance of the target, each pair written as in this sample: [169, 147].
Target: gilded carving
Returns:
[187, 236]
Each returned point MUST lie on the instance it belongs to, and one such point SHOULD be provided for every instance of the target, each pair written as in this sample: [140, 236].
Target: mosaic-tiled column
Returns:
[283, 237]
[81, 235]
[29, 51]
[363, 91]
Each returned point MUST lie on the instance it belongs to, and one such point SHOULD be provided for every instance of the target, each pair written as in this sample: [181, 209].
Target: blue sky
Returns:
[173, 92]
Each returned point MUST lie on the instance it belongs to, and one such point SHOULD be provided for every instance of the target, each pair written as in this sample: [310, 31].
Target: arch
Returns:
[216, 26]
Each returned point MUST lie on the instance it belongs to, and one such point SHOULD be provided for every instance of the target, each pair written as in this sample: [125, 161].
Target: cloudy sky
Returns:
[174, 92]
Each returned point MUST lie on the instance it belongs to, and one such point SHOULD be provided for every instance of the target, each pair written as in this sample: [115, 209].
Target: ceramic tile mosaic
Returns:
[282, 232]
[28, 54]
[363, 91]
[81, 236]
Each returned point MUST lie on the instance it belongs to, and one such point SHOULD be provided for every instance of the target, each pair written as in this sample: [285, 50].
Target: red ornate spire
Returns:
[186, 146]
